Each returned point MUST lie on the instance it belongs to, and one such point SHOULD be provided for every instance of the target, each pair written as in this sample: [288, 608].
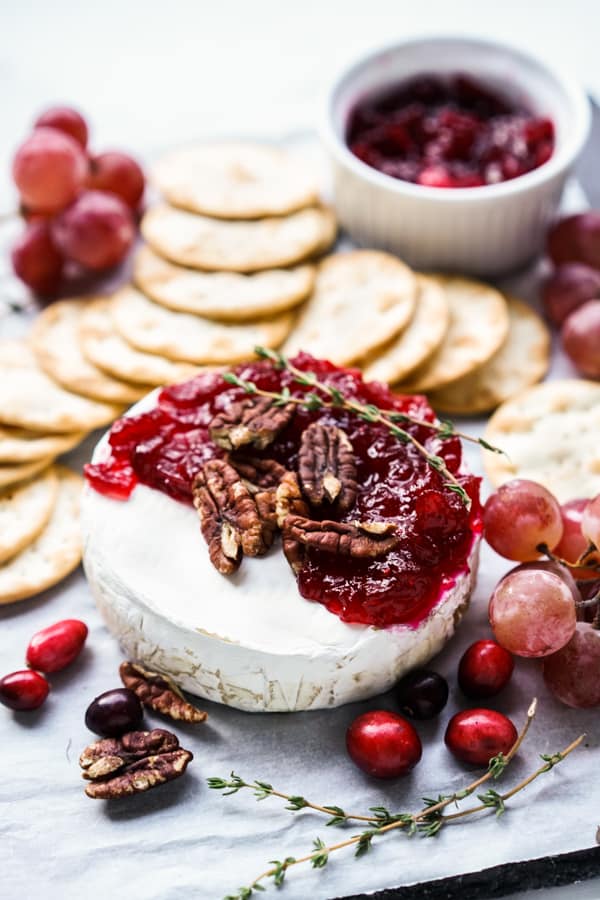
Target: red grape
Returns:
[96, 231]
[65, 119]
[572, 672]
[590, 522]
[36, 260]
[576, 239]
[119, 174]
[573, 542]
[49, 170]
[519, 517]
[569, 286]
[532, 611]
[581, 338]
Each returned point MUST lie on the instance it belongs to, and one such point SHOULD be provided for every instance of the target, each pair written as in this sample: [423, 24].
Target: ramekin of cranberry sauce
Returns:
[448, 132]
[452, 152]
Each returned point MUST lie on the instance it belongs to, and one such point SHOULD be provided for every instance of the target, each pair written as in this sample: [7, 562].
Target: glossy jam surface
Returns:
[448, 132]
[165, 447]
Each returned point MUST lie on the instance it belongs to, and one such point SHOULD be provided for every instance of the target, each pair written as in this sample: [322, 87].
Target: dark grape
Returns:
[422, 694]
[114, 713]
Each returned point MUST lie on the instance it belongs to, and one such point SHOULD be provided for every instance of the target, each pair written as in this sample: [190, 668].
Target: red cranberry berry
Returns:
[383, 744]
[475, 736]
[23, 690]
[56, 647]
[422, 694]
[114, 713]
[485, 668]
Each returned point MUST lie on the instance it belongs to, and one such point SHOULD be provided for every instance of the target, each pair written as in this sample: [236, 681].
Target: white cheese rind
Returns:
[250, 640]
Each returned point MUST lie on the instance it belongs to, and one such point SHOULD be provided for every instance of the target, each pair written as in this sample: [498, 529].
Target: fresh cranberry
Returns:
[56, 647]
[114, 713]
[485, 668]
[475, 736]
[422, 694]
[383, 744]
[23, 690]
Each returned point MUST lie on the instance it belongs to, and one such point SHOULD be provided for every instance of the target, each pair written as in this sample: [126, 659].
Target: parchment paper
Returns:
[186, 841]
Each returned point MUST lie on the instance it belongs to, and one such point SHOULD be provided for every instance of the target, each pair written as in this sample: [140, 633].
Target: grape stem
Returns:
[589, 559]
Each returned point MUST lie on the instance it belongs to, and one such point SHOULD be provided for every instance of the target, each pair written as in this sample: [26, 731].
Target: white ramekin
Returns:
[485, 230]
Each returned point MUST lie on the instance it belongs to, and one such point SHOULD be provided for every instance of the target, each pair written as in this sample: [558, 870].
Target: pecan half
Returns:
[288, 499]
[253, 421]
[229, 517]
[262, 478]
[358, 540]
[133, 763]
[326, 466]
[160, 693]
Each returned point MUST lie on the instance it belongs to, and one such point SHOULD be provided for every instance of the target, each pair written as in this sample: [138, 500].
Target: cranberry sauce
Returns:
[447, 132]
[164, 448]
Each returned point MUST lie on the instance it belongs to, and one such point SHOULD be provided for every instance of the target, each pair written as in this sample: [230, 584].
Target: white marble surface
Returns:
[151, 74]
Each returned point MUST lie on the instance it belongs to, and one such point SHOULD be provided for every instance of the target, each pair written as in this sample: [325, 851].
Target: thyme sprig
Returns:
[427, 822]
[324, 396]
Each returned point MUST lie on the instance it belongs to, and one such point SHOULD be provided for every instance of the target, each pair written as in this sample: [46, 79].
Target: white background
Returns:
[151, 74]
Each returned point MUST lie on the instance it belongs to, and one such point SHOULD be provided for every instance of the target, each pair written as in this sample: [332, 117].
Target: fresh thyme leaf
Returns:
[296, 803]
[493, 800]
[497, 765]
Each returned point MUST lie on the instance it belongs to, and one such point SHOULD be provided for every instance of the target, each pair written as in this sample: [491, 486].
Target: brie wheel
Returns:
[249, 640]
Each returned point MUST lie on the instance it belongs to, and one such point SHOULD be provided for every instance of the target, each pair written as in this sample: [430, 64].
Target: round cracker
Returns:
[55, 553]
[108, 350]
[478, 327]
[361, 299]
[419, 340]
[188, 338]
[55, 342]
[235, 180]
[226, 296]
[214, 244]
[549, 434]
[20, 445]
[30, 399]
[24, 513]
[15, 473]
[521, 361]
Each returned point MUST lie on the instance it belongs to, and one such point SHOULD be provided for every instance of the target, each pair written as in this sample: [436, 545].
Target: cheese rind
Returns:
[249, 640]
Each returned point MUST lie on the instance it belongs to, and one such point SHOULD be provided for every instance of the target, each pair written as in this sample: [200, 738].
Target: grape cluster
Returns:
[538, 609]
[572, 292]
[80, 208]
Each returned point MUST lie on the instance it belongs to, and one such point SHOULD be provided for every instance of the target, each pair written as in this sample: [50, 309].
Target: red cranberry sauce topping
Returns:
[164, 448]
[447, 132]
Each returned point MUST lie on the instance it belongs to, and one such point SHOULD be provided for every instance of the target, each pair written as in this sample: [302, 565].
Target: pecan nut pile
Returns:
[326, 467]
[132, 764]
[244, 500]
[229, 516]
[254, 421]
[159, 693]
